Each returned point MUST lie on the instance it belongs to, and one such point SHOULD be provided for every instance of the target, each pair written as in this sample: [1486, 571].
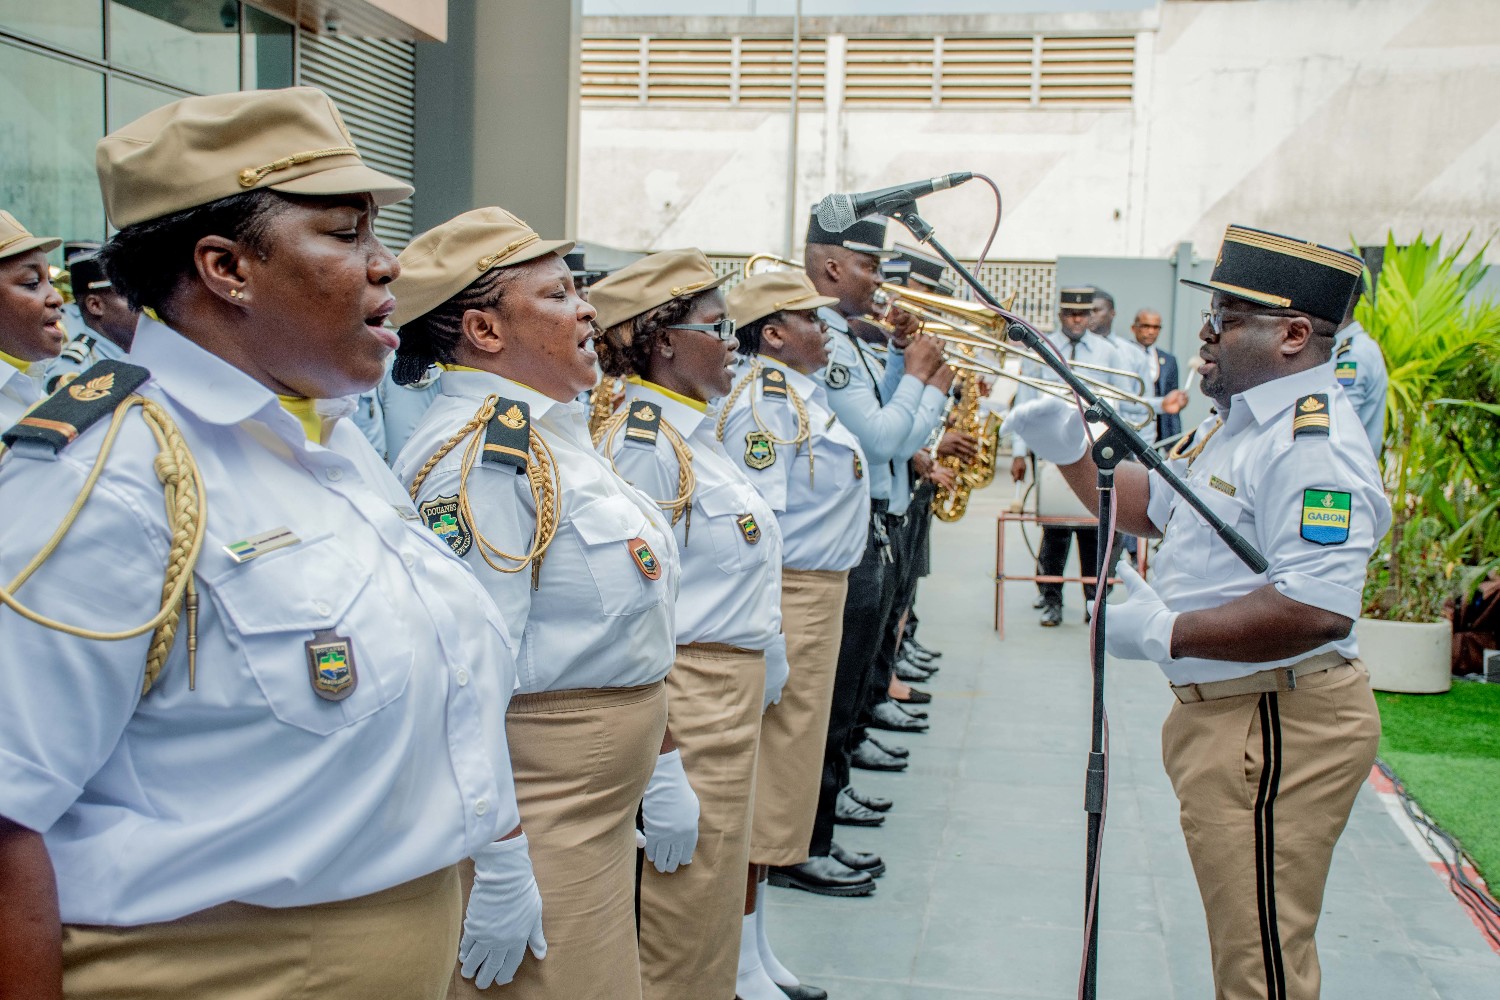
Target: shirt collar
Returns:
[683, 416]
[205, 384]
[15, 363]
[1268, 400]
[799, 382]
[476, 384]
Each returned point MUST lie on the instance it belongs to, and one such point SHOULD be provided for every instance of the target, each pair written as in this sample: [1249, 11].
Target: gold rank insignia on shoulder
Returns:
[1344, 349]
[837, 376]
[645, 559]
[444, 517]
[760, 451]
[642, 425]
[748, 528]
[330, 665]
[508, 435]
[1310, 416]
[58, 420]
[772, 384]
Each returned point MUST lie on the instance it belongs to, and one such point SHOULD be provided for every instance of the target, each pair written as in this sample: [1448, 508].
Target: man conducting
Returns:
[1275, 727]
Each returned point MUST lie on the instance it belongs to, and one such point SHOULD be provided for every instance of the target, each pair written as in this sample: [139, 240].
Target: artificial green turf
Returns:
[1446, 748]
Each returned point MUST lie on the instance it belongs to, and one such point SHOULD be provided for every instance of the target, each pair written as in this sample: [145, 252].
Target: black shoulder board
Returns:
[78, 348]
[61, 417]
[772, 384]
[1344, 348]
[507, 437]
[643, 424]
[1310, 416]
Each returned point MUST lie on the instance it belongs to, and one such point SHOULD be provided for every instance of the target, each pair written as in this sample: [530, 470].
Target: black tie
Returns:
[1073, 351]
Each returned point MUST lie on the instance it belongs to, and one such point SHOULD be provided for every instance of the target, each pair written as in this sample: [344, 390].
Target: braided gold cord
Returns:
[1190, 450]
[687, 479]
[541, 476]
[185, 497]
[804, 422]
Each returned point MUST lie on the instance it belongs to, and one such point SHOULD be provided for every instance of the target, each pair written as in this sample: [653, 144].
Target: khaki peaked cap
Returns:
[760, 295]
[201, 149]
[449, 258]
[652, 281]
[17, 239]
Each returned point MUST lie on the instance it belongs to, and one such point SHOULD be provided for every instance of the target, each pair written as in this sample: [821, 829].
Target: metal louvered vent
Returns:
[690, 70]
[985, 70]
[721, 71]
[1088, 72]
[889, 71]
[373, 82]
[765, 67]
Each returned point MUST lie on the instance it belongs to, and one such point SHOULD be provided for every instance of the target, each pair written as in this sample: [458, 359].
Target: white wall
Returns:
[1328, 119]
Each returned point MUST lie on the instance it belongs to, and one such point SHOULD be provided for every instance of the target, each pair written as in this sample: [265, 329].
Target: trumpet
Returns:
[760, 263]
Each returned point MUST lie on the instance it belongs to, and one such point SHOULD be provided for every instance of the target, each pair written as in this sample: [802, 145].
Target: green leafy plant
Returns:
[1442, 459]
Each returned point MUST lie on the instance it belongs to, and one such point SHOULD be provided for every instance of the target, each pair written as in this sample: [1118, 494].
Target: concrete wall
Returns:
[1330, 119]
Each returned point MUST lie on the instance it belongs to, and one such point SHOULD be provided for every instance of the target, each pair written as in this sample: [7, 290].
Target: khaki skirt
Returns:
[793, 731]
[395, 943]
[581, 761]
[690, 919]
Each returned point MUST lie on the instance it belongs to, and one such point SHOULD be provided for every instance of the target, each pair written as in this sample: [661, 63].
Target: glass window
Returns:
[129, 100]
[55, 112]
[195, 46]
[76, 25]
[267, 53]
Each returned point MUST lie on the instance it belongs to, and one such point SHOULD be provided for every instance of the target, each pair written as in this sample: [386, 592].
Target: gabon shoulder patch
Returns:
[1325, 516]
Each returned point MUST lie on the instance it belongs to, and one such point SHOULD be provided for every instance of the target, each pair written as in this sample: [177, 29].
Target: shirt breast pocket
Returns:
[606, 528]
[726, 508]
[275, 603]
[1204, 556]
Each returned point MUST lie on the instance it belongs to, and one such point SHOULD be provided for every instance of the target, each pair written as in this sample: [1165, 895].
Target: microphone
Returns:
[837, 212]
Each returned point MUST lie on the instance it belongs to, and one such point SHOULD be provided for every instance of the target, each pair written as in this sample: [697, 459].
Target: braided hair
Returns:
[626, 348]
[750, 334]
[433, 337]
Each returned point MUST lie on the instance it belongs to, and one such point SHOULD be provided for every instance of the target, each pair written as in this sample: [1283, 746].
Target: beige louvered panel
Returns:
[986, 71]
[690, 70]
[766, 70]
[1087, 71]
[888, 71]
[611, 69]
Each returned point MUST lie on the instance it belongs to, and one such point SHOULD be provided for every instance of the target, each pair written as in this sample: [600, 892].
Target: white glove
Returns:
[1139, 627]
[1051, 427]
[777, 671]
[504, 915]
[670, 811]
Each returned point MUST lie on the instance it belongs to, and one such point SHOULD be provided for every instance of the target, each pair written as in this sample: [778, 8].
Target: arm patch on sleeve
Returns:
[1325, 517]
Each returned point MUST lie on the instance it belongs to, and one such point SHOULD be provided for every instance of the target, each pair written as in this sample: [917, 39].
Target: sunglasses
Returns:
[723, 329]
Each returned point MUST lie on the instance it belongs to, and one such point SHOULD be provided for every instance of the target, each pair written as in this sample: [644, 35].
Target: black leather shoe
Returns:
[910, 672]
[916, 656]
[931, 654]
[888, 716]
[876, 802]
[911, 710]
[1052, 616]
[848, 812]
[1039, 603]
[890, 748]
[871, 758]
[823, 875]
[916, 696]
[802, 991]
[860, 861]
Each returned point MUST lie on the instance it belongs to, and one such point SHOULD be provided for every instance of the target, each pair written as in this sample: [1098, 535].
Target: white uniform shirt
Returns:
[731, 586]
[251, 787]
[596, 620]
[1259, 478]
[1134, 359]
[401, 409]
[1090, 348]
[1359, 367]
[820, 490]
[82, 353]
[19, 392]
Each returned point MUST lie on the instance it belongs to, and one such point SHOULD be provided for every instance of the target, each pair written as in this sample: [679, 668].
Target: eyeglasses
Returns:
[723, 329]
[1214, 320]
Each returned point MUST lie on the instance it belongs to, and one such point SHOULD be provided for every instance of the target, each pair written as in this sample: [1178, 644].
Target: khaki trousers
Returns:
[793, 731]
[690, 919]
[1266, 783]
[395, 943]
[581, 761]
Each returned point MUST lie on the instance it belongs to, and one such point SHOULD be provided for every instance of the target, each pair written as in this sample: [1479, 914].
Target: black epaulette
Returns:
[78, 348]
[772, 384]
[643, 424]
[507, 437]
[60, 418]
[1344, 348]
[1310, 416]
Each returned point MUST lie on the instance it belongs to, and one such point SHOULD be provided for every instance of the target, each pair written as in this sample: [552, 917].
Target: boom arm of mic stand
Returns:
[1018, 329]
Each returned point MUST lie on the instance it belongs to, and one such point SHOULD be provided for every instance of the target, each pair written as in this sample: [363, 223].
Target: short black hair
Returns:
[749, 335]
[1100, 293]
[148, 260]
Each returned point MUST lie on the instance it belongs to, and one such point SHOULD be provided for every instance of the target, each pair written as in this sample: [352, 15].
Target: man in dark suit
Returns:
[1168, 398]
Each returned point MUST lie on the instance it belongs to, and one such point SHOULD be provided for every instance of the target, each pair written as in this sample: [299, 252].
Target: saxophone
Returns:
[950, 505]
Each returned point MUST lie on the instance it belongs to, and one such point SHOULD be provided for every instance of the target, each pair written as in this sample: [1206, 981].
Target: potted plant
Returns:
[1441, 463]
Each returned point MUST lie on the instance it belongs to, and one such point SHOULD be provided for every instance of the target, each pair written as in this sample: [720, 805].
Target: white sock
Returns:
[752, 983]
[780, 974]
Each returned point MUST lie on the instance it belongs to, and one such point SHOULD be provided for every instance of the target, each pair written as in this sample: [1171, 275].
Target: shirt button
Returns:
[409, 559]
[322, 609]
[334, 474]
[463, 676]
[481, 807]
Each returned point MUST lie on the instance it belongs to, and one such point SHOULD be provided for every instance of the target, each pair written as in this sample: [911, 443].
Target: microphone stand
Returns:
[1118, 443]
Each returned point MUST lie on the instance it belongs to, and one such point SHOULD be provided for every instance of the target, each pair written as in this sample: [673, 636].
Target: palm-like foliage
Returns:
[1442, 430]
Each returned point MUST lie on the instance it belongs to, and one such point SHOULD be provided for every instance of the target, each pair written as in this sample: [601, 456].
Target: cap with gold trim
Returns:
[1283, 272]
[201, 149]
[760, 295]
[17, 239]
[1076, 299]
[654, 280]
[449, 258]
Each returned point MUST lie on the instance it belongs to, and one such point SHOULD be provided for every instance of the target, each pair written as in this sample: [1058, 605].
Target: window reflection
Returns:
[75, 25]
[195, 46]
[267, 55]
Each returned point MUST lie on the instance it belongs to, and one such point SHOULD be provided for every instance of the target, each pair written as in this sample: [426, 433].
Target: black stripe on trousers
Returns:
[1265, 845]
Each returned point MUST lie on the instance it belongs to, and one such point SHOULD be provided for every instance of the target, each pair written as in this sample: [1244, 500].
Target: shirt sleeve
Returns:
[881, 429]
[895, 369]
[929, 415]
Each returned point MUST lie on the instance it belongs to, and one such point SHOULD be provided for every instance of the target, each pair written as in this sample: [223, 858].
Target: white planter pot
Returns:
[1411, 657]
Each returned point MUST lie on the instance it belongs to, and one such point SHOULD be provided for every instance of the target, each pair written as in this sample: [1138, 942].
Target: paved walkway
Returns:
[985, 844]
